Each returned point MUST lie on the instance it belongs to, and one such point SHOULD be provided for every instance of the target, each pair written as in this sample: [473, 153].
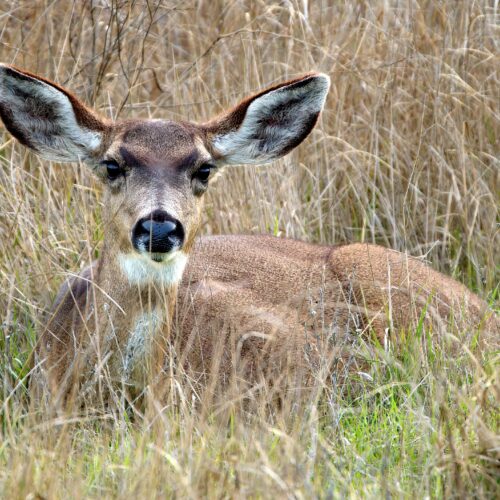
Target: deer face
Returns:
[155, 172]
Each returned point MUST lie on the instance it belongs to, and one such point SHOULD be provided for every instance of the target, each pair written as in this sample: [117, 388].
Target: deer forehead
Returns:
[159, 143]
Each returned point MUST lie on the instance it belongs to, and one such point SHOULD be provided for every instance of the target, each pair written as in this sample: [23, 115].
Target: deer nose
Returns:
[158, 233]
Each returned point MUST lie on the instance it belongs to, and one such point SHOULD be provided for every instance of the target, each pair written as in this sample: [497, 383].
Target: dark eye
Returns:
[203, 173]
[113, 170]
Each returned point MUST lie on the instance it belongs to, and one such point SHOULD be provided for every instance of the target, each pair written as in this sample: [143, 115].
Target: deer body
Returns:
[250, 301]
[275, 296]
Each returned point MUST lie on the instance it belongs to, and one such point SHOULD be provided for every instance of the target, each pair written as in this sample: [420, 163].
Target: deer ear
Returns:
[47, 118]
[268, 125]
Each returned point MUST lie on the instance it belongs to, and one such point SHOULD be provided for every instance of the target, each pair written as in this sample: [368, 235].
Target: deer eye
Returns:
[203, 173]
[113, 169]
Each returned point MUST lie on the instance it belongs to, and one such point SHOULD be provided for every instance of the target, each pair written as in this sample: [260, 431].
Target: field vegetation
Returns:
[406, 155]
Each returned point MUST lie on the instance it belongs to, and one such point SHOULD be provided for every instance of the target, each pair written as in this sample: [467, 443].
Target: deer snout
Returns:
[158, 233]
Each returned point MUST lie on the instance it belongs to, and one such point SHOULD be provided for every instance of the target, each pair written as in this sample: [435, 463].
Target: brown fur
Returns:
[292, 291]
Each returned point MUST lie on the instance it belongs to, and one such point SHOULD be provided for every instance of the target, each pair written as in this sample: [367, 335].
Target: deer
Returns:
[253, 300]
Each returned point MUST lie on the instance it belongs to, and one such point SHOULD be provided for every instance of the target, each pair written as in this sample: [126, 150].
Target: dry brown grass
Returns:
[406, 155]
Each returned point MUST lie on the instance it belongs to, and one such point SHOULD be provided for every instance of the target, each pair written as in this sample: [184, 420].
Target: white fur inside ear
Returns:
[274, 123]
[45, 118]
[142, 270]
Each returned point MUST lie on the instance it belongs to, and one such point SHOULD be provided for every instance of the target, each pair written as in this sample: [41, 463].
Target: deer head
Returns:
[156, 172]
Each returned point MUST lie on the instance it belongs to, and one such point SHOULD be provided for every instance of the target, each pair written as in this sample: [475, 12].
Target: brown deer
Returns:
[249, 300]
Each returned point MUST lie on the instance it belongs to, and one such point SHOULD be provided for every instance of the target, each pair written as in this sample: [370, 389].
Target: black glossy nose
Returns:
[158, 233]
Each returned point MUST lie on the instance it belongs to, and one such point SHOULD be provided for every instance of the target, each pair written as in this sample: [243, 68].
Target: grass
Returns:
[405, 155]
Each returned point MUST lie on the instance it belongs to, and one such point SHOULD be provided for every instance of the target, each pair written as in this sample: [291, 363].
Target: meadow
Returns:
[406, 154]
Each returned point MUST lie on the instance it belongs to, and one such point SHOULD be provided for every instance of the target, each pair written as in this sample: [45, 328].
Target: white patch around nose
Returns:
[140, 269]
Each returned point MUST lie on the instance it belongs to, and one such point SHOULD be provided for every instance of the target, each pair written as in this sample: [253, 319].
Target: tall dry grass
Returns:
[406, 155]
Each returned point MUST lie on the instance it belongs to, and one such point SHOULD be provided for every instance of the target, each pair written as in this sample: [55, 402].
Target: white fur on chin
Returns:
[140, 269]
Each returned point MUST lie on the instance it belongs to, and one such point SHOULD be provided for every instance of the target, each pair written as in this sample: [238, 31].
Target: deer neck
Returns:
[135, 299]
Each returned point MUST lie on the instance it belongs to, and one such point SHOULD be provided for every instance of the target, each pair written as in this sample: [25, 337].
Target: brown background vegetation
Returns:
[406, 154]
